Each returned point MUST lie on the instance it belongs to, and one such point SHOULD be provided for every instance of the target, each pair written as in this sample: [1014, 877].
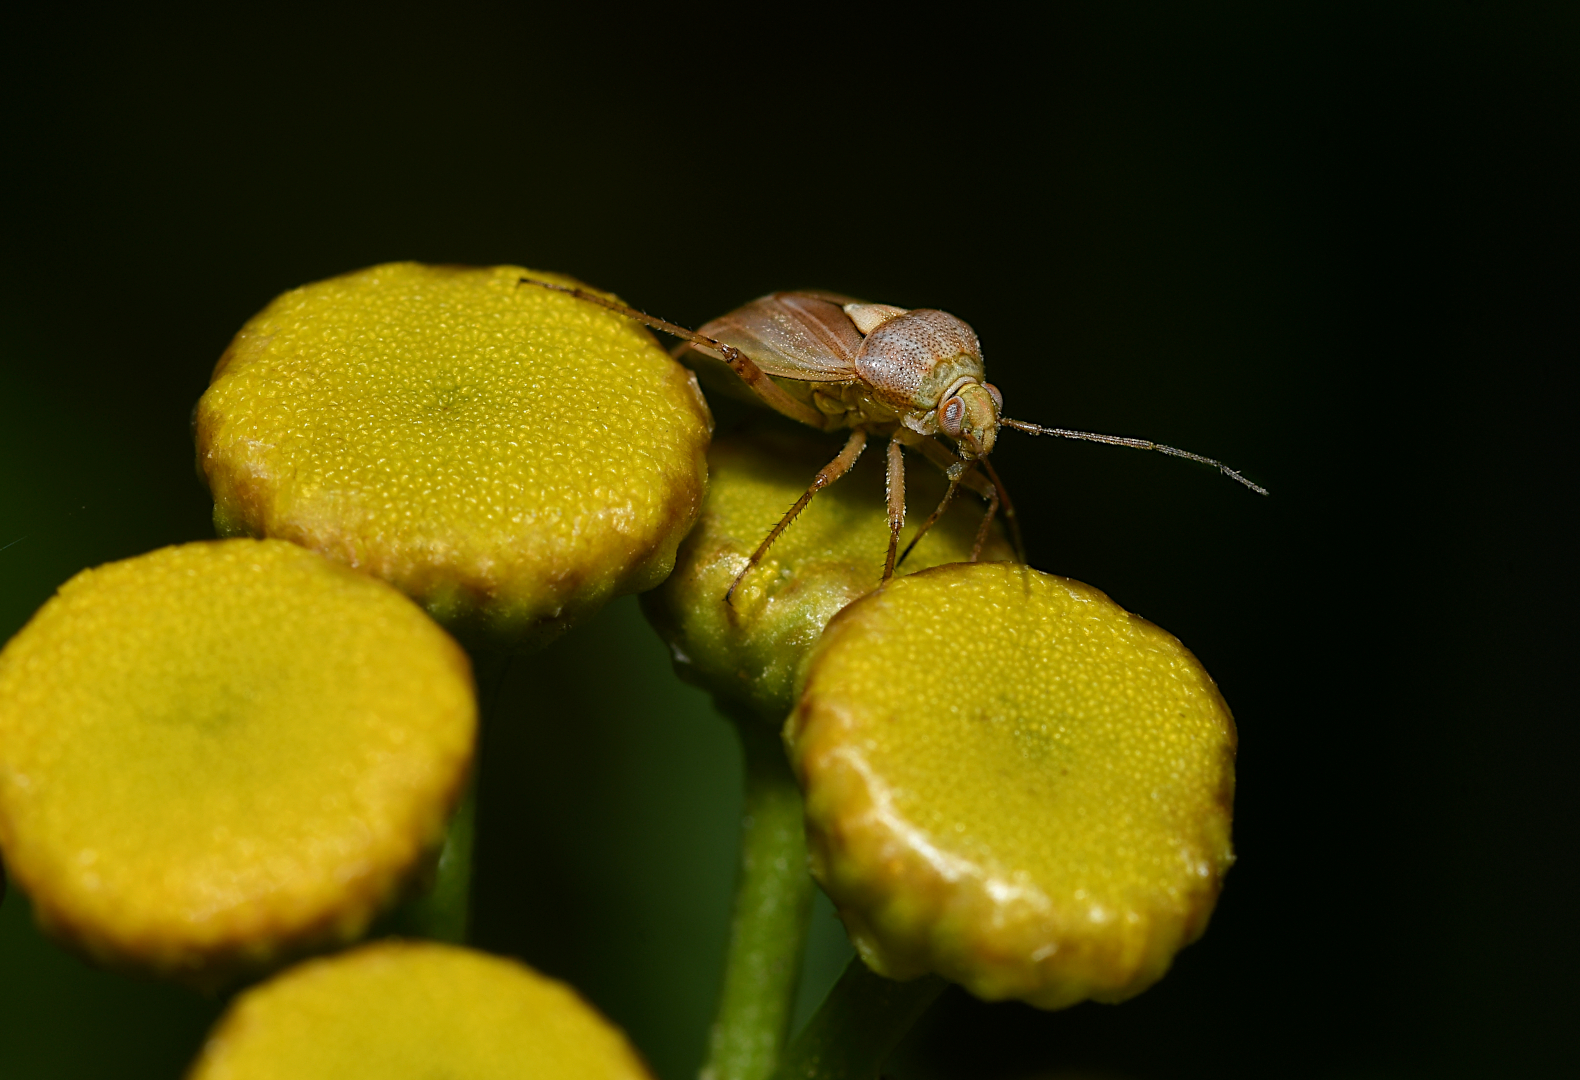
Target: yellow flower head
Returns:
[414, 1011]
[215, 753]
[1013, 782]
[749, 653]
[509, 457]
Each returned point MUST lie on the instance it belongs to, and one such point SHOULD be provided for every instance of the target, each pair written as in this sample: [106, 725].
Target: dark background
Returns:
[1333, 245]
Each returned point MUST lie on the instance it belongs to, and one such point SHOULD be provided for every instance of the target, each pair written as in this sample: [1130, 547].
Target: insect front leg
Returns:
[895, 488]
[990, 492]
[826, 476]
[960, 472]
[947, 460]
[955, 472]
[1010, 516]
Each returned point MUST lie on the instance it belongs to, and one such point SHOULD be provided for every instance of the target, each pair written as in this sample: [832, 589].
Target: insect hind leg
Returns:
[744, 367]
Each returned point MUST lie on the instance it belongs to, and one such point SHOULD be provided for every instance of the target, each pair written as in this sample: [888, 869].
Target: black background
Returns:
[1331, 244]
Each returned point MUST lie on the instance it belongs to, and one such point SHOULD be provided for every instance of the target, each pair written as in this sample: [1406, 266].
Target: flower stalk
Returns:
[444, 912]
[768, 928]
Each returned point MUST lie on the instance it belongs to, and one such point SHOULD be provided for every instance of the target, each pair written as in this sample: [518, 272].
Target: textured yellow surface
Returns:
[414, 1011]
[832, 554]
[508, 456]
[1013, 782]
[214, 752]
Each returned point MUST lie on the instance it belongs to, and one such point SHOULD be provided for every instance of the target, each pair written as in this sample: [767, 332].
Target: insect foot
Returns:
[218, 754]
[510, 458]
[410, 1009]
[1013, 783]
[748, 652]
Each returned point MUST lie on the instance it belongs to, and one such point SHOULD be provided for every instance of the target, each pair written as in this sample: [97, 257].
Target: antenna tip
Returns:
[1233, 475]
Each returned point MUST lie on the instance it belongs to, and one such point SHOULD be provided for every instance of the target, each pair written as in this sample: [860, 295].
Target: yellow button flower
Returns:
[414, 1011]
[1013, 782]
[749, 654]
[218, 752]
[509, 457]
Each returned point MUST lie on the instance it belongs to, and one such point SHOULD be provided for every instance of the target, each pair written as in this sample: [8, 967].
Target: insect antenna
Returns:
[1134, 444]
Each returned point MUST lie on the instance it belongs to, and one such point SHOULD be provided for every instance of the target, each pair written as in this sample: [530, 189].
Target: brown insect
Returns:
[832, 363]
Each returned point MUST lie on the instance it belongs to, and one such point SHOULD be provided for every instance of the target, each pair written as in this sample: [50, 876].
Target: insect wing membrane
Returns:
[793, 336]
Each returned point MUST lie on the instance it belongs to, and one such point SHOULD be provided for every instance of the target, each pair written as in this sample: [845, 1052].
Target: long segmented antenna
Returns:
[1134, 444]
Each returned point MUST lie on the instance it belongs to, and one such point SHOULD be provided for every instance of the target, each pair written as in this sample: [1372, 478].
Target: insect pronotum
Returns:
[909, 375]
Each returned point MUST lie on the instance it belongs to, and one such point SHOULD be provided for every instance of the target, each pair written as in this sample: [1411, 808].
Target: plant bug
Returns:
[915, 375]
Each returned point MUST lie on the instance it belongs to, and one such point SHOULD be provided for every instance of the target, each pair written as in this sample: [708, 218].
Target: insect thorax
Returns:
[911, 361]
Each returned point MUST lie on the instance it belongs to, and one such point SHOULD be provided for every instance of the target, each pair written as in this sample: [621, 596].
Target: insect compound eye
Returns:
[998, 398]
[950, 415]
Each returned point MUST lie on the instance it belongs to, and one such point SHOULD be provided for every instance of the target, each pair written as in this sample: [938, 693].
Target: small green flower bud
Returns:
[748, 653]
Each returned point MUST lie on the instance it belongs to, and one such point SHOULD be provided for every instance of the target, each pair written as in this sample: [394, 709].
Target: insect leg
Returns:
[949, 463]
[826, 476]
[1009, 511]
[932, 519]
[991, 494]
[959, 472]
[895, 488]
[755, 378]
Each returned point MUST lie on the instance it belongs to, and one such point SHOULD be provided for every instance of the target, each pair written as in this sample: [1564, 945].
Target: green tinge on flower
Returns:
[216, 754]
[749, 654]
[1014, 783]
[508, 456]
[414, 1011]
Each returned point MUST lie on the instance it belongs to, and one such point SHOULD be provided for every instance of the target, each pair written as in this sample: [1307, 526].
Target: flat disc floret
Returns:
[1014, 783]
[215, 754]
[415, 1011]
[509, 457]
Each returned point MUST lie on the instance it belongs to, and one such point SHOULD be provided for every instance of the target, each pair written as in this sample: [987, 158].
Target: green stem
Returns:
[768, 930]
[860, 1022]
[444, 911]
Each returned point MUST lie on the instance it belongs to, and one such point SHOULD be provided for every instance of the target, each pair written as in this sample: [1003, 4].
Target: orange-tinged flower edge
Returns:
[1014, 783]
[510, 457]
[216, 755]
